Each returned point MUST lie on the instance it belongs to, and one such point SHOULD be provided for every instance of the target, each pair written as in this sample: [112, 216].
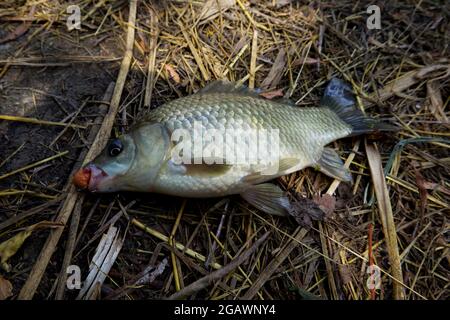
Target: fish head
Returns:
[128, 163]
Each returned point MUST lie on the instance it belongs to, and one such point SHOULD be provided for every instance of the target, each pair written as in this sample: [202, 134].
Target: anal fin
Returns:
[331, 164]
[269, 198]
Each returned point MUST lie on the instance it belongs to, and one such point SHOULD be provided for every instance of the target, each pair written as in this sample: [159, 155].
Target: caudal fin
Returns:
[339, 97]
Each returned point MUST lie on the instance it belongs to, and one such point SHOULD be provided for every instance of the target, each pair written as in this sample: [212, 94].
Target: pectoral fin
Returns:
[206, 170]
[268, 198]
[198, 170]
[332, 166]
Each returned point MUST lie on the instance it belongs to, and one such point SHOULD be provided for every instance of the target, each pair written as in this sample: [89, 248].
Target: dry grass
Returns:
[399, 222]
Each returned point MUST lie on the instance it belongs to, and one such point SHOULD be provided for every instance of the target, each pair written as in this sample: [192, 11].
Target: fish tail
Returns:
[339, 97]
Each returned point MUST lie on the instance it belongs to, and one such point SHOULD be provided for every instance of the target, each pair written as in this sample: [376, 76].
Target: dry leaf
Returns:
[20, 30]
[276, 72]
[272, 94]
[326, 203]
[104, 258]
[435, 186]
[172, 73]
[5, 288]
[309, 14]
[436, 71]
[9, 247]
[410, 78]
[436, 102]
[345, 273]
[304, 211]
[151, 273]
[282, 3]
[306, 60]
[212, 8]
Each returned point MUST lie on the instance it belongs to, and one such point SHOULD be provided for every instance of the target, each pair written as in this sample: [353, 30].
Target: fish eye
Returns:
[115, 148]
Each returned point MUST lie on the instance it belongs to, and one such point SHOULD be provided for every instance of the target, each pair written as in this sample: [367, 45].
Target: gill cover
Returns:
[152, 145]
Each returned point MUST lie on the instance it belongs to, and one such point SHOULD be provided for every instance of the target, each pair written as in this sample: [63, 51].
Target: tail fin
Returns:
[338, 97]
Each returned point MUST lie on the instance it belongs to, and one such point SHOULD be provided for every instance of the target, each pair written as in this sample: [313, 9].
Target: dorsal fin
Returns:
[225, 86]
[338, 96]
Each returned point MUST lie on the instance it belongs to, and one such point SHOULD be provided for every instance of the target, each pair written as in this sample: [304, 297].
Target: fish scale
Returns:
[303, 132]
[144, 159]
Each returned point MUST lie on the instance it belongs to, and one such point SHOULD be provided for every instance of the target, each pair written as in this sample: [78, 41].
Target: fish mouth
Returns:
[89, 177]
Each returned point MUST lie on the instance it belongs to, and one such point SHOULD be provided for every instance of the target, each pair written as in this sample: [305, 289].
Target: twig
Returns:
[214, 245]
[152, 57]
[218, 274]
[254, 55]
[325, 249]
[29, 289]
[250, 18]
[37, 121]
[176, 276]
[274, 264]
[69, 249]
[38, 163]
[30, 286]
[194, 51]
[386, 216]
[370, 253]
[178, 245]
[104, 258]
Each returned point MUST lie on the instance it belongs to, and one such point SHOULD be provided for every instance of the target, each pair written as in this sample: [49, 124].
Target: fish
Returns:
[226, 139]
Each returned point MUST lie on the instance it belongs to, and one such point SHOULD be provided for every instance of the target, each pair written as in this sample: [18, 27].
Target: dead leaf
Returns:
[326, 203]
[212, 8]
[435, 187]
[306, 60]
[436, 102]
[304, 211]
[276, 72]
[5, 288]
[309, 14]
[104, 258]
[151, 273]
[20, 30]
[172, 73]
[272, 94]
[345, 272]
[282, 3]
[436, 71]
[9, 247]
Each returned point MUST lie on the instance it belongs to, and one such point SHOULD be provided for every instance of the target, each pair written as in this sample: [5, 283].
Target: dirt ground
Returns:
[52, 74]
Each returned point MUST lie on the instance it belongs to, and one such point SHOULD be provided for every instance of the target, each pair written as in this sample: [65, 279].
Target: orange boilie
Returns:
[81, 178]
